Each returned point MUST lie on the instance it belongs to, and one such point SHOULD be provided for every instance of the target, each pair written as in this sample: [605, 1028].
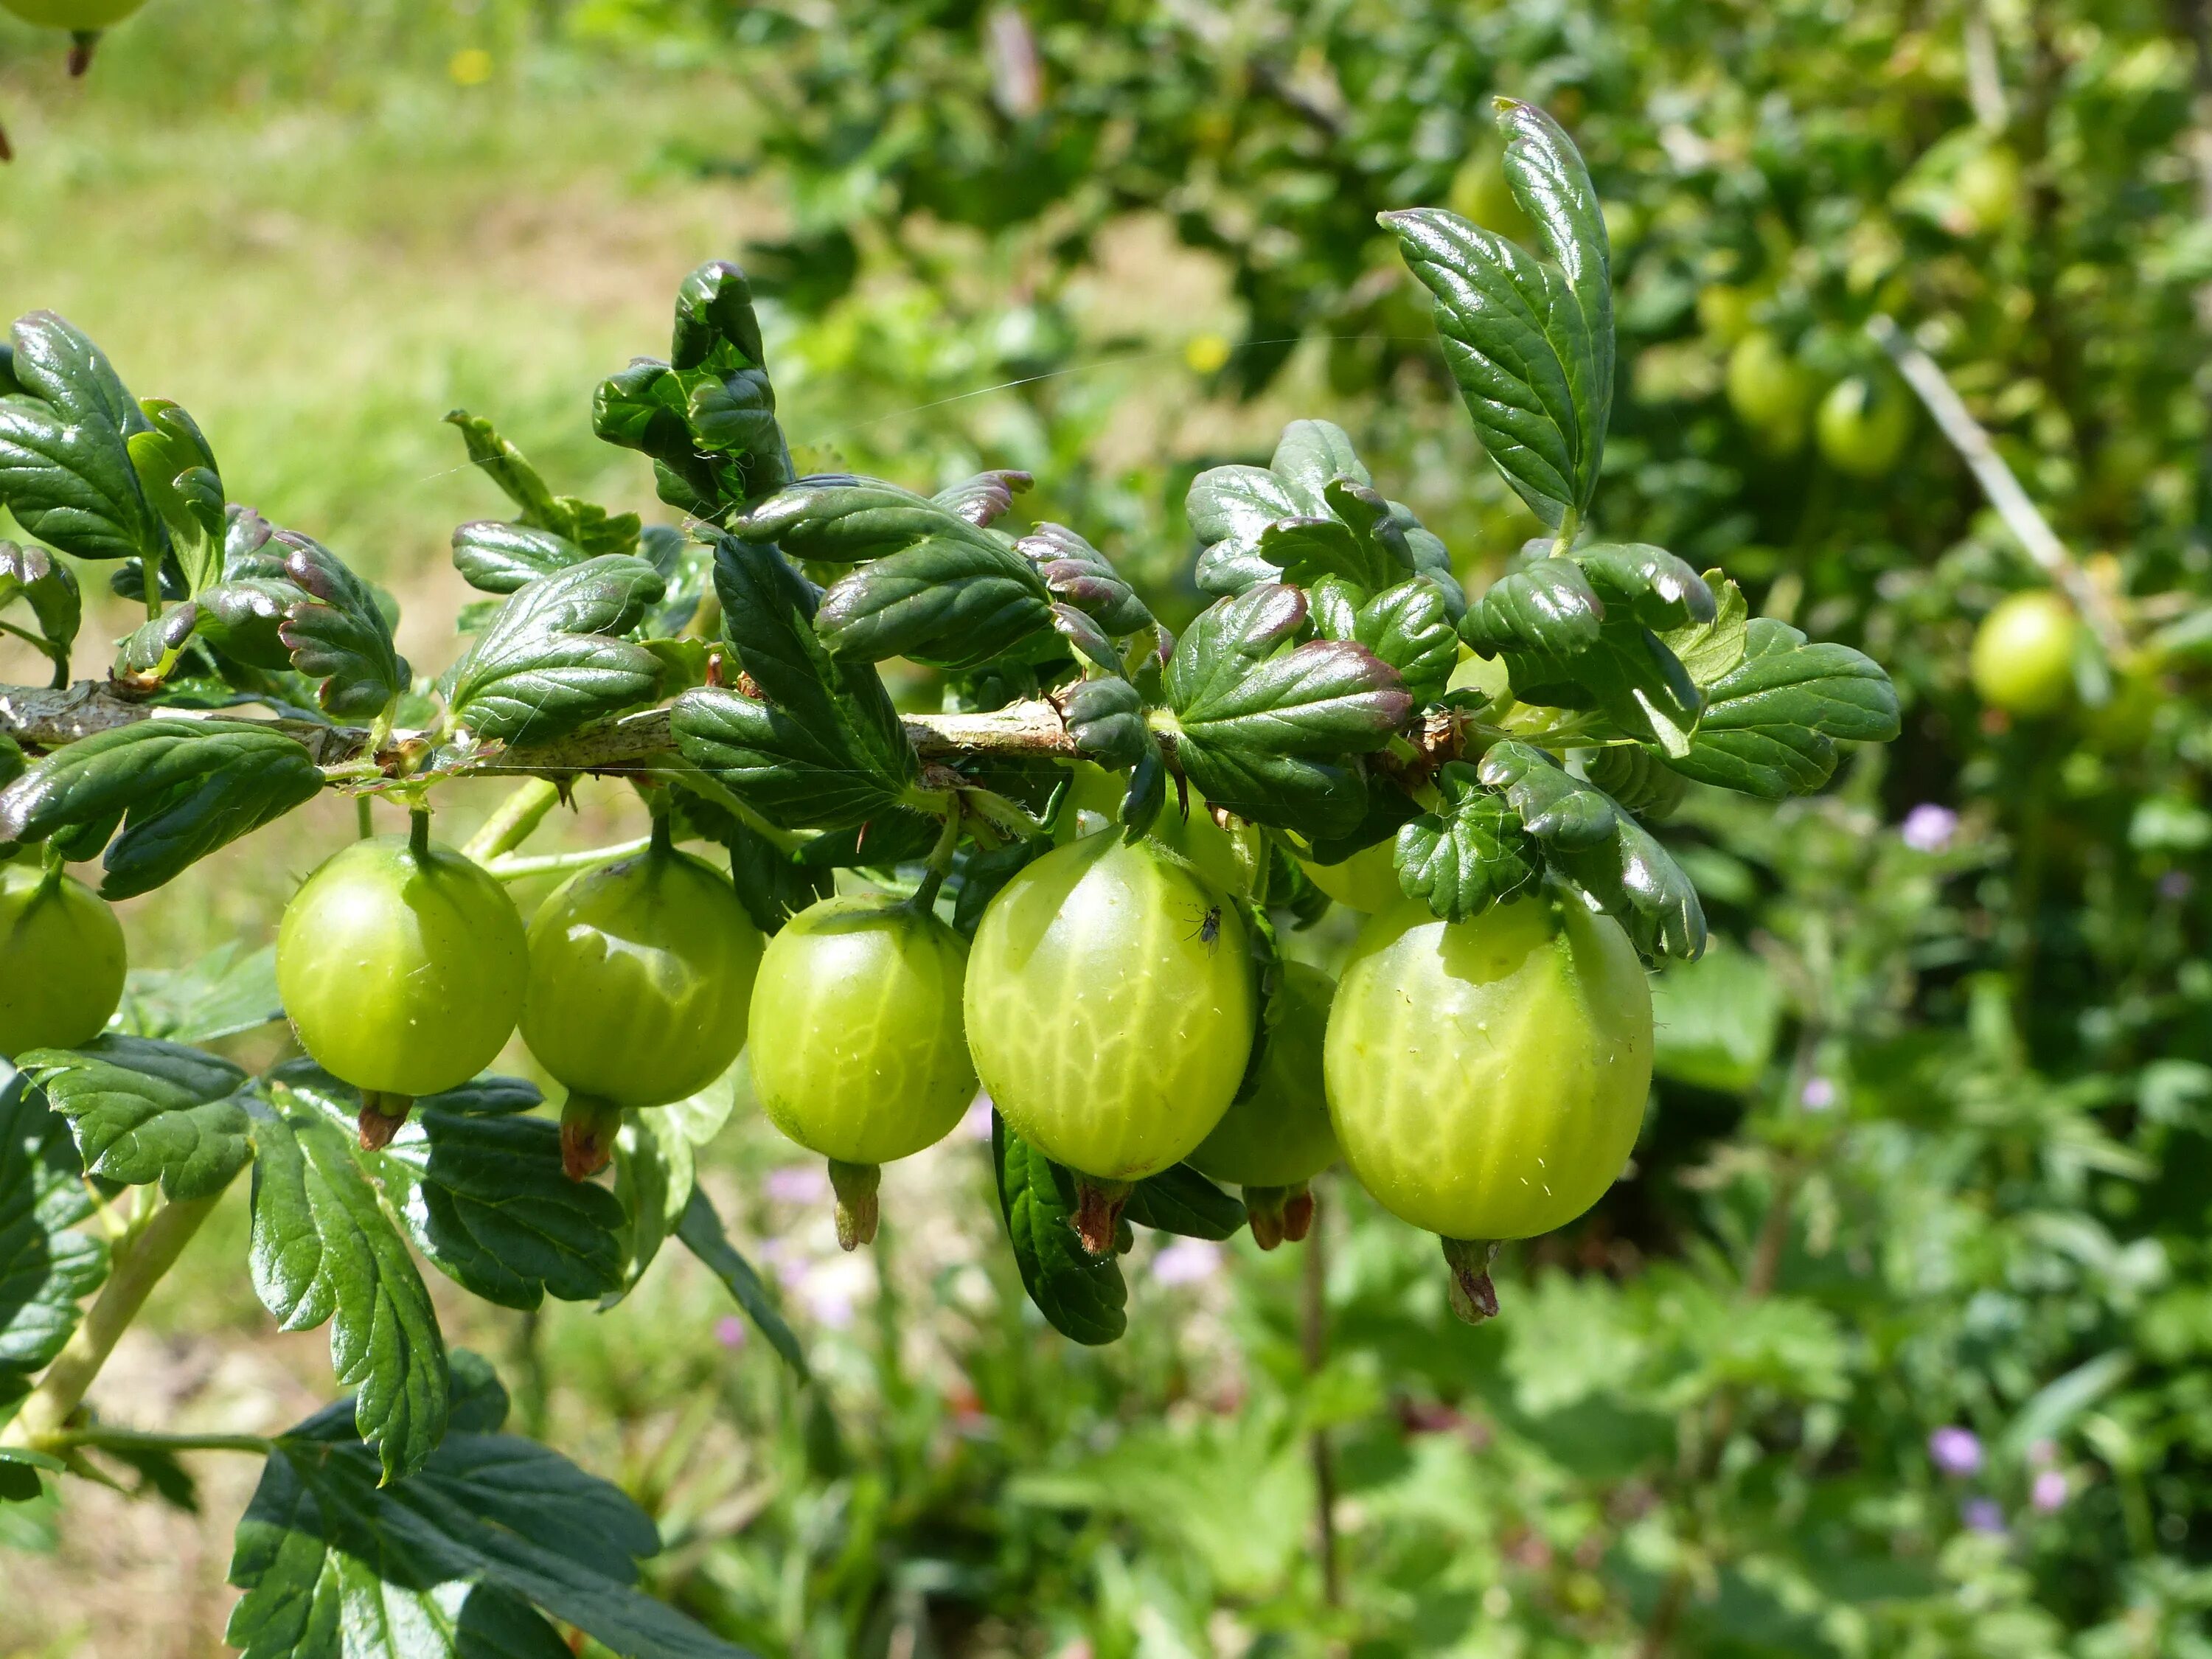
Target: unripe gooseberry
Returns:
[1863, 424]
[76, 15]
[61, 960]
[1109, 1010]
[641, 972]
[2023, 654]
[862, 1052]
[402, 965]
[1771, 391]
[1276, 1136]
[1486, 1078]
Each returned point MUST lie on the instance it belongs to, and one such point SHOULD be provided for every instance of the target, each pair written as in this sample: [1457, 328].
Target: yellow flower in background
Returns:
[1206, 353]
[471, 67]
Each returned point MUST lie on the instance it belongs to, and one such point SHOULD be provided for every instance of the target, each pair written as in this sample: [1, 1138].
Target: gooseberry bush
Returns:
[1067, 887]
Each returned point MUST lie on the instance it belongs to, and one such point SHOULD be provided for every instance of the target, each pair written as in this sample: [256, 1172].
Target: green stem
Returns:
[557, 864]
[106, 1439]
[362, 821]
[512, 824]
[137, 1266]
[940, 861]
[418, 831]
[1570, 522]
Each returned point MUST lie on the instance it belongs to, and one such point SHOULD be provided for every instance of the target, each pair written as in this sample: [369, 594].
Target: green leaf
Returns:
[144, 1111]
[47, 1265]
[65, 470]
[219, 994]
[49, 587]
[1576, 632]
[1106, 718]
[1545, 171]
[551, 661]
[986, 498]
[952, 600]
[644, 408]
[1080, 1294]
[496, 557]
[701, 1231]
[1504, 317]
[244, 618]
[1407, 626]
[821, 746]
[181, 789]
[338, 634]
[1716, 1019]
[773, 885]
[1470, 854]
[1637, 779]
[838, 518]
[1182, 1200]
[323, 1248]
[19, 1473]
[1588, 839]
[719, 365]
[449, 1564]
[1772, 722]
[584, 526]
[1079, 574]
[1254, 711]
[477, 1184]
[177, 475]
[1710, 649]
[654, 1173]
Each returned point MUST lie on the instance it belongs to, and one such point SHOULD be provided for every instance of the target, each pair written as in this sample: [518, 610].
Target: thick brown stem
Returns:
[137, 1267]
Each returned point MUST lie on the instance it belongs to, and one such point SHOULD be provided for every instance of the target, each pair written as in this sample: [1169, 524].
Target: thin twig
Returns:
[2022, 516]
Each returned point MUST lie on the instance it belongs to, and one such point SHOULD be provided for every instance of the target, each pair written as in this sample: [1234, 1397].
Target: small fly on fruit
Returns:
[1209, 928]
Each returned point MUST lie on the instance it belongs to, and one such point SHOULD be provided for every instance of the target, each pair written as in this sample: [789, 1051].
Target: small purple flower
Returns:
[1186, 1261]
[1928, 827]
[730, 1331]
[2049, 1493]
[1983, 1515]
[1956, 1451]
[1819, 1093]
[2176, 885]
[798, 1183]
[975, 1123]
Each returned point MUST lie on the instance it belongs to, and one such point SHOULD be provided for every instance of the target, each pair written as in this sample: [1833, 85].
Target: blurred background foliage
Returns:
[1898, 1339]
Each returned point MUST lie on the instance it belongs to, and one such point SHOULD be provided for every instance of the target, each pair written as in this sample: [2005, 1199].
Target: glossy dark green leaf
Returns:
[717, 358]
[1081, 1295]
[338, 634]
[644, 407]
[700, 1232]
[1602, 849]
[13, 765]
[1637, 779]
[979, 876]
[65, 469]
[552, 660]
[986, 498]
[1545, 171]
[180, 788]
[768, 616]
[494, 556]
[151, 650]
[481, 1192]
[245, 621]
[1773, 721]
[1468, 854]
[1106, 718]
[450, 1563]
[896, 835]
[1547, 606]
[20, 1471]
[144, 1111]
[47, 1265]
[1409, 627]
[47, 587]
[1659, 590]
[323, 1248]
[1077, 574]
[795, 775]
[1237, 680]
[953, 600]
[839, 519]
[1499, 311]
[1182, 1200]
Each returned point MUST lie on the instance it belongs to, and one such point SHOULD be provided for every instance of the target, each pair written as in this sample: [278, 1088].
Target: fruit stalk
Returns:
[588, 1127]
[1472, 1296]
[1098, 1212]
[382, 1117]
[855, 1186]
